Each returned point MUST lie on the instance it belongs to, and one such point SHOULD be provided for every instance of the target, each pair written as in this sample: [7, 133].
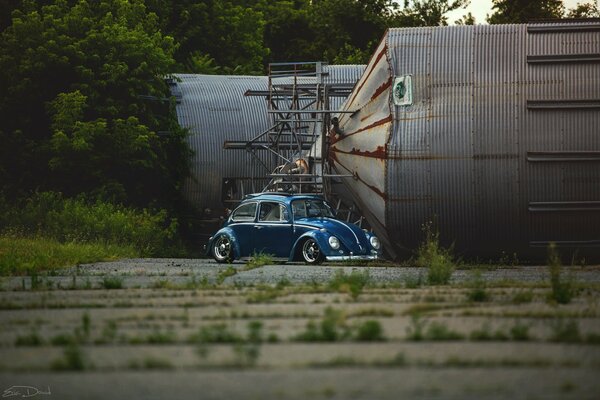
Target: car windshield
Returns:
[308, 208]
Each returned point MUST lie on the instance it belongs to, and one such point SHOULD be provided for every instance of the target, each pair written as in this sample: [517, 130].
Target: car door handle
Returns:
[258, 226]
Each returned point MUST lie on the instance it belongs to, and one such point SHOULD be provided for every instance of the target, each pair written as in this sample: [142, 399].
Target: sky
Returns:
[480, 8]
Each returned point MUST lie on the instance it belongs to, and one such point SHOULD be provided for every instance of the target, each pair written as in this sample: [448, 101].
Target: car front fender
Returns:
[318, 236]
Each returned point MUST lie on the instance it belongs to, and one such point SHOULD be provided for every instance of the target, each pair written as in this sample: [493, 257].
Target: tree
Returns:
[522, 11]
[83, 99]
[427, 12]
[585, 10]
[467, 19]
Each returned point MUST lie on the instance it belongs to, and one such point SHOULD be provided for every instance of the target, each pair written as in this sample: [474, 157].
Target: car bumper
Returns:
[353, 257]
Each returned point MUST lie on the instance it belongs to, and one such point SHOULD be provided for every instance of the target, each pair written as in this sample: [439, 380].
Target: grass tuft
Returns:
[438, 261]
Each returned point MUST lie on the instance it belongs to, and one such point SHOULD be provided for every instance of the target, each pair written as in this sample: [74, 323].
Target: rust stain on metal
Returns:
[373, 125]
[373, 65]
[366, 116]
[380, 152]
[381, 89]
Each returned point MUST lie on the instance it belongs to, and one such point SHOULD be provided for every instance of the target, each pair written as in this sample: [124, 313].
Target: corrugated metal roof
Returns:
[458, 154]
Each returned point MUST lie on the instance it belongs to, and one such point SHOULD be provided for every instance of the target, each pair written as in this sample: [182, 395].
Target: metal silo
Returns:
[215, 109]
[492, 132]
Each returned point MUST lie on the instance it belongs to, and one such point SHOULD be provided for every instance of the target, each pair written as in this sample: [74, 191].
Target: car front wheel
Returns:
[222, 249]
[311, 253]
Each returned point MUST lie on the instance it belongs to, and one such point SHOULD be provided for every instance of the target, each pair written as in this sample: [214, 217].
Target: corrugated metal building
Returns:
[215, 110]
[492, 131]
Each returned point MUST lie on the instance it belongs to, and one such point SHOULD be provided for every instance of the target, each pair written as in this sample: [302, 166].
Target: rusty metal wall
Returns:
[214, 109]
[496, 148]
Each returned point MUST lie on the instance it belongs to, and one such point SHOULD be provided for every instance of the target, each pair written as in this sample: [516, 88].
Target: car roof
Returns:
[283, 197]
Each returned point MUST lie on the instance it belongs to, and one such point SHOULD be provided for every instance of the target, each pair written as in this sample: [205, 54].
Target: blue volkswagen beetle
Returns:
[293, 227]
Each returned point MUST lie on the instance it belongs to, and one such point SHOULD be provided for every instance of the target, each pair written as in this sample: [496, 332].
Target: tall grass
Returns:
[27, 255]
[50, 215]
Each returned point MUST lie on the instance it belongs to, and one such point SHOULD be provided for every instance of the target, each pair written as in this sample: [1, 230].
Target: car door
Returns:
[242, 223]
[273, 229]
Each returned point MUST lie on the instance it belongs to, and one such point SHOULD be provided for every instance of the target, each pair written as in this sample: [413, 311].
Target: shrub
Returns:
[438, 261]
[332, 328]
[72, 360]
[523, 297]
[439, 331]
[218, 333]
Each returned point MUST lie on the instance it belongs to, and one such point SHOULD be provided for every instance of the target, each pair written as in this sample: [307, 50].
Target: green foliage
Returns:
[523, 11]
[86, 129]
[259, 260]
[20, 255]
[523, 296]
[564, 330]
[112, 282]
[563, 291]
[33, 338]
[520, 332]
[427, 12]
[485, 334]
[477, 292]
[369, 331]
[438, 260]
[331, 328]
[218, 333]
[49, 214]
[421, 329]
[352, 283]
[222, 275]
[585, 10]
[72, 360]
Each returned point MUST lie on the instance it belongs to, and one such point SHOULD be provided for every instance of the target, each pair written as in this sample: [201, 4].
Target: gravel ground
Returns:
[145, 272]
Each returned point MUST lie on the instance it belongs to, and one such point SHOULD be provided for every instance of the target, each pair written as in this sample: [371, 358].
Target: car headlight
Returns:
[375, 242]
[334, 242]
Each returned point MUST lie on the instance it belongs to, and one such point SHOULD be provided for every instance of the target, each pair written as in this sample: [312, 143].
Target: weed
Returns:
[62, 339]
[222, 275]
[159, 337]
[31, 339]
[72, 360]
[520, 332]
[413, 282]
[194, 283]
[263, 294]
[246, 354]
[369, 331]
[523, 296]
[438, 261]
[218, 333]
[372, 312]
[258, 260]
[416, 328]
[565, 331]
[255, 333]
[477, 292]
[157, 363]
[273, 338]
[331, 328]
[562, 290]
[352, 283]
[439, 331]
[485, 334]
[112, 282]
[163, 284]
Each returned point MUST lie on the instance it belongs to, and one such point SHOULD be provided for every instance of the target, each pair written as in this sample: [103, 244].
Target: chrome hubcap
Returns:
[310, 251]
[222, 248]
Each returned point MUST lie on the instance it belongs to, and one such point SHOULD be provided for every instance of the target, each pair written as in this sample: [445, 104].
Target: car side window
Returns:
[299, 208]
[244, 212]
[272, 212]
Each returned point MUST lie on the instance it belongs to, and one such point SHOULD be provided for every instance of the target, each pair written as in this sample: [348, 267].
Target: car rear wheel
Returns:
[222, 249]
[311, 253]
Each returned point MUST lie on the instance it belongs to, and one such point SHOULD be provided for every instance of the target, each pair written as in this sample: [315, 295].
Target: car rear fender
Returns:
[231, 235]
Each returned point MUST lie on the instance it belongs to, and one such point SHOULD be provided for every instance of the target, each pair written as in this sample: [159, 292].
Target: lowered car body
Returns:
[292, 227]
